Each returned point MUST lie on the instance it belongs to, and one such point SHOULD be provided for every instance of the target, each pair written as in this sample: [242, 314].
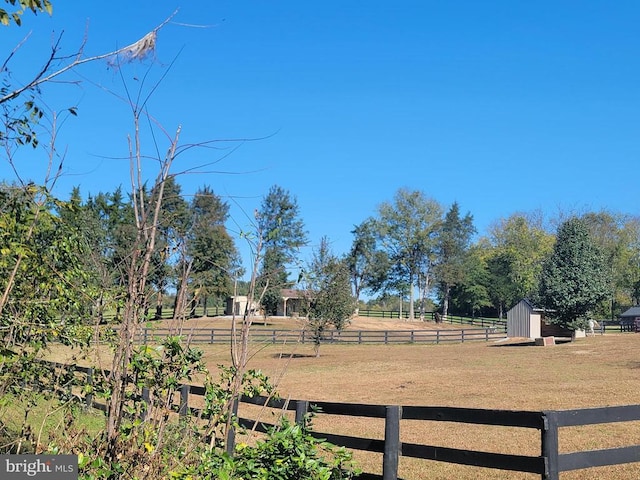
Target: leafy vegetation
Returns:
[574, 279]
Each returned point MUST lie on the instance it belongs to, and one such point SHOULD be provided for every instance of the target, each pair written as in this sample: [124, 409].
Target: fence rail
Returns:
[216, 336]
[549, 464]
[617, 326]
[431, 316]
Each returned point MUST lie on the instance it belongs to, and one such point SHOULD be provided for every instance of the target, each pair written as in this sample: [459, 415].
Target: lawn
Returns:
[593, 372]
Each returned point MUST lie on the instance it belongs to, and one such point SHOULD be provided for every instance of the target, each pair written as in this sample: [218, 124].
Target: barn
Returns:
[526, 320]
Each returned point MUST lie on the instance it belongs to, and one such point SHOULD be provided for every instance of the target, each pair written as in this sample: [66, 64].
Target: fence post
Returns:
[231, 434]
[88, 401]
[146, 398]
[462, 336]
[391, 442]
[145, 336]
[184, 400]
[412, 339]
[386, 337]
[302, 407]
[273, 337]
[359, 336]
[550, 445]
[437, 337]
[212, 336]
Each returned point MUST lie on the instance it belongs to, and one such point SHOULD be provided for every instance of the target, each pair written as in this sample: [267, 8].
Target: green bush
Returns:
[289, 452]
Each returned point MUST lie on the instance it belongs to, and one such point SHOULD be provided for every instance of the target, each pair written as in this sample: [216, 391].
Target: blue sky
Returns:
[503, 106]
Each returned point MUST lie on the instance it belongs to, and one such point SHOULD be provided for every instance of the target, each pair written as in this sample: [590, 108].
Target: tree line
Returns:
[412, 251]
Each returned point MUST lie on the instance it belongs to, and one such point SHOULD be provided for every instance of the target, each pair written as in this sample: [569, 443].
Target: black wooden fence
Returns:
[215, 336]
[549, 464]
[431, 316]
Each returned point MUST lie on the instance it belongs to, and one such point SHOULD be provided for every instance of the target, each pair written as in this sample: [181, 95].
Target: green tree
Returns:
[45, 288]
[618, 237]
[110, 240]
[367, 263]
[453, 243]
[211, 248]
[520, 245]
[169, 263]
[283, 232]
[471, 294]
[329, 293]
[408, 229]
[574, 279]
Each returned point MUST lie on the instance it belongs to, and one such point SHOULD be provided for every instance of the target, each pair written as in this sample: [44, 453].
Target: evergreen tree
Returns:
[211, 248]
[574, 278]
[283, 232]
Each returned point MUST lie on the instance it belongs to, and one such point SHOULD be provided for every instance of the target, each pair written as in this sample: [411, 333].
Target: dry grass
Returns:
[592, 372]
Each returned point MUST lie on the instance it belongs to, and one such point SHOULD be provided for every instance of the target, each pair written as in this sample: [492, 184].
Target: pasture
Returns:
[593, 372]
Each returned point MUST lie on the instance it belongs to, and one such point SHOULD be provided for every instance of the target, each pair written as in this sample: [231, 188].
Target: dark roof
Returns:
[632, 312]
[292, 293]
[533, 307]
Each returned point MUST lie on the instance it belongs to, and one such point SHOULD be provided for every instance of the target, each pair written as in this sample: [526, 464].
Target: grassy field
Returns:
[593, 372]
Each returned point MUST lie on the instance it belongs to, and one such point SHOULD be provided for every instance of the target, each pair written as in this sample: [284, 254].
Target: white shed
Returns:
[238, 304]
[526, 320]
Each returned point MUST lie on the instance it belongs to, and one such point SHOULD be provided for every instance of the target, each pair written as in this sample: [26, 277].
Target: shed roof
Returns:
[533, 307]
[632, 312]
[292, 293]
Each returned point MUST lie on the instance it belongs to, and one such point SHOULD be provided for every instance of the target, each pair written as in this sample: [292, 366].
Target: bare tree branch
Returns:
[136, 51]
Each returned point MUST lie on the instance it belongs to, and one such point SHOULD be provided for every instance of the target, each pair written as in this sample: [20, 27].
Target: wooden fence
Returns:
[549, 464]
[215, 336]
[431, 317]
[617, 326]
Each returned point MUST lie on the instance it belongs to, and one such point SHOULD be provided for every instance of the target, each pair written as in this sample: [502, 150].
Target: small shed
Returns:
[525, 320]
[630, 319]
[528, 321]
[238, 304]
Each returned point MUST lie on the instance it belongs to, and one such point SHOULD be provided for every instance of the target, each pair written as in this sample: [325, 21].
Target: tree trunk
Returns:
[159, 306]
[445, 300]
[411, 294]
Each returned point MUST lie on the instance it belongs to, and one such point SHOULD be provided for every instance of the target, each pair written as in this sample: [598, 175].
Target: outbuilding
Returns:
[524, 320]
[291, 302]
[528, 321]
[630, 319]
[237, 306]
